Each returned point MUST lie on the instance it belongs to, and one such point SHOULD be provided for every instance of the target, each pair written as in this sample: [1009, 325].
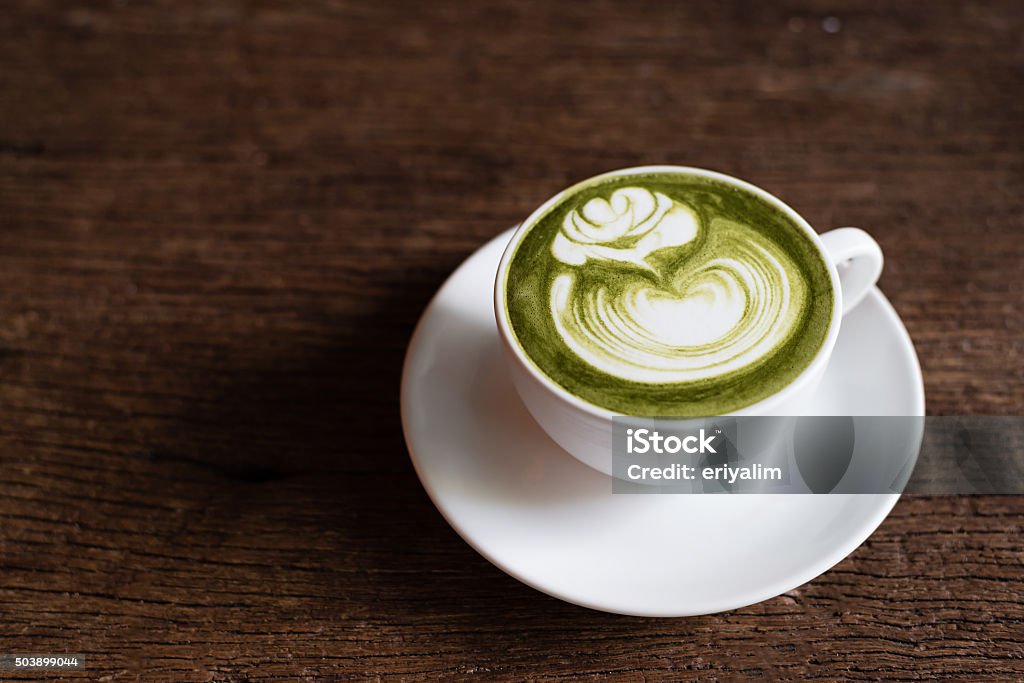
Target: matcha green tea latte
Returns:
[667, 293]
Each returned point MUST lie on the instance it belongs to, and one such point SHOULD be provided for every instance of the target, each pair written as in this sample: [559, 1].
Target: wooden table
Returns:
[219, 222]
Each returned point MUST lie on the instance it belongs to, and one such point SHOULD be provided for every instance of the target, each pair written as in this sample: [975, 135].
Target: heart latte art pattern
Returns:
[628, 308]
[667, 293]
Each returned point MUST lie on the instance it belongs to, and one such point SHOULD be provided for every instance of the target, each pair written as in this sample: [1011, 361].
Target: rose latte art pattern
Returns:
[673, 322]
[667, 293]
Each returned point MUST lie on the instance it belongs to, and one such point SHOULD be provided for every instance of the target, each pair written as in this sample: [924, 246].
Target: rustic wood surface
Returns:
[219, 222]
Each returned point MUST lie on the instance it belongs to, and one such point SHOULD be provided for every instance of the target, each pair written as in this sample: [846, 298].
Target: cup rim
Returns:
[762, 406]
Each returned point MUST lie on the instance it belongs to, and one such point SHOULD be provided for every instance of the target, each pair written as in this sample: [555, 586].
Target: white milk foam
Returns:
[706, 316]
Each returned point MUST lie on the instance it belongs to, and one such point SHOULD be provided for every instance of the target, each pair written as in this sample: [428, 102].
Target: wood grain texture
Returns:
[219, 222]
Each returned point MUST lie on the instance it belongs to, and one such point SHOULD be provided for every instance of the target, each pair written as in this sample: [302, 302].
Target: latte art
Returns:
[705, 319]
[628, 228]
[668, 298]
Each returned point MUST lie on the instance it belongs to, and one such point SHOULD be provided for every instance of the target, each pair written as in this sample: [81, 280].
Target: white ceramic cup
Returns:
[583, 429]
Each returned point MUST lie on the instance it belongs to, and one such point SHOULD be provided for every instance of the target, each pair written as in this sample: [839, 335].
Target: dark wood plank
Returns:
[219, 222]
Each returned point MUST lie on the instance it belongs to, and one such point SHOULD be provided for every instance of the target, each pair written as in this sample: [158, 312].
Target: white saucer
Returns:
[554, 524]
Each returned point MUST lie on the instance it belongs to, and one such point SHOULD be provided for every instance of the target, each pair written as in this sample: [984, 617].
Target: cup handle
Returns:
[858, 258]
